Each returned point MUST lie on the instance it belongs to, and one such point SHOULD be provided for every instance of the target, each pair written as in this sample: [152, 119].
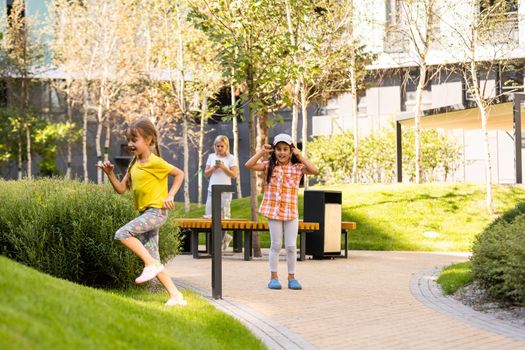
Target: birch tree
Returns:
[22, 57]
[245, 34]
[484, 31]
[417, 24]
[74, 55]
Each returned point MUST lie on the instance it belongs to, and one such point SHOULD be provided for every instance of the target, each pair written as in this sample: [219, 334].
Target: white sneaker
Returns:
[226, 241]
[178, 300]
[149, 273]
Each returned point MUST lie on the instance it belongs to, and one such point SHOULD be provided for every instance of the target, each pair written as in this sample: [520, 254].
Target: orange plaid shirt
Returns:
[280, 195]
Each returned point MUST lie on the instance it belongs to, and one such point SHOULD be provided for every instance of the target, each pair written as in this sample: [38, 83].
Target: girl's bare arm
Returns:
[309, 167]
[119, 186]
[178, 178]
[253, 164]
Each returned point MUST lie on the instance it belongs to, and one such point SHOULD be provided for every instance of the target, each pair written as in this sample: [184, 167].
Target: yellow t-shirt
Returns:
[149, 182]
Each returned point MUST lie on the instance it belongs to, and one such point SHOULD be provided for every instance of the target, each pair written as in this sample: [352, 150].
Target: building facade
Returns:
[384, 26]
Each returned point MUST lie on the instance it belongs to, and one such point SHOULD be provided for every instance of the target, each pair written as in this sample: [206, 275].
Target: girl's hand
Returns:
[168, 203]
[106, 166]
[296, 151]
[267, 148]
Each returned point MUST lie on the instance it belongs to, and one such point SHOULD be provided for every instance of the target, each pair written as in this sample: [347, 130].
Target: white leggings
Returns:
[226, 200]
[290, 229]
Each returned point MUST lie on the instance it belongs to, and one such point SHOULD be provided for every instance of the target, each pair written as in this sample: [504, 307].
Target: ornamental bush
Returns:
[498, 257]
[66, 228]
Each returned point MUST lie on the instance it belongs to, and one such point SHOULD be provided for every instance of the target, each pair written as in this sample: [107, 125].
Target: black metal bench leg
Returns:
[209, 244]
[302, 245]
[247, 245]
[194, 243]
[237, 241]
[346, 243]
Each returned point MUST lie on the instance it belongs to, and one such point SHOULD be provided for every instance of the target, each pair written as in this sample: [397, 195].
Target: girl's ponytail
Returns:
[128, 181]
[271, 164]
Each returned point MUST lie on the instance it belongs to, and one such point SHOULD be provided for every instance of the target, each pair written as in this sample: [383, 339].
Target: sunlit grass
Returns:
[42, 312]
[455, 276]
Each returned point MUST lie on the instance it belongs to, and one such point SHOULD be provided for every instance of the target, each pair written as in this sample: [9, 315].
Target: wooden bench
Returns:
[197, 226]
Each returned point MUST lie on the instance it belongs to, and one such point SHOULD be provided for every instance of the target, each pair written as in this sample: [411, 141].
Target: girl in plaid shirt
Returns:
[283, 171]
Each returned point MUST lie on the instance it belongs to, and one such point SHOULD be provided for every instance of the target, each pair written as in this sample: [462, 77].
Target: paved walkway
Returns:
[372, 300]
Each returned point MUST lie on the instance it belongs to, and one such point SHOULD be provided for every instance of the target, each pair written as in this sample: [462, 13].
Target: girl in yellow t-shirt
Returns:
[147, 178]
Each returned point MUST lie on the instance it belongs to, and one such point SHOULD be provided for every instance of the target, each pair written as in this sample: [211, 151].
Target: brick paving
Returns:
[372, 300]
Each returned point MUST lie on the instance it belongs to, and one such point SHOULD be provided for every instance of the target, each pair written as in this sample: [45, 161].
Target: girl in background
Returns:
[283, 173]
[221, 167]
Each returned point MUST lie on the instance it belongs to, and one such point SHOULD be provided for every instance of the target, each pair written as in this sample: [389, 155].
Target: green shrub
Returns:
[334, 154]
[66, 228]
[498, 259]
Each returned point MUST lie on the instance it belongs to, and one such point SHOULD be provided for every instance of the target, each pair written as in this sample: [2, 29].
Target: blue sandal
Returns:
[274, 284]
[294, 284]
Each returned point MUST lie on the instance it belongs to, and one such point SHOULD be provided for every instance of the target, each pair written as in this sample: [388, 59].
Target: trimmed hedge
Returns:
[498, 259]
[66, 228]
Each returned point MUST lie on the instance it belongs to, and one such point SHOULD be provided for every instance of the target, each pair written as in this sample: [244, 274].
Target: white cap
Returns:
[282, 138]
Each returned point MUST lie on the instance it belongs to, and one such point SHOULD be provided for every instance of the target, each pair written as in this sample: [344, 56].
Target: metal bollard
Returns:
[216, 238]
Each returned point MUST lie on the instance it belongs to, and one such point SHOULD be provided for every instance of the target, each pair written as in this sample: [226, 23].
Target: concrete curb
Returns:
[425, 289]
[273, 334]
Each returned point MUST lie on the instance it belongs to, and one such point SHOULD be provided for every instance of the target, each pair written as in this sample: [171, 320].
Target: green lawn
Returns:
[41, 312]
[455, 276]
[405, 216]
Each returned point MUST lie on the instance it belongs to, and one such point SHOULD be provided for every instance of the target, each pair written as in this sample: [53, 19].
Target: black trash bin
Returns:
[323, 207]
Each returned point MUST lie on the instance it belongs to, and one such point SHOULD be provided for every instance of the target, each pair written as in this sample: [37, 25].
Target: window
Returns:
[510, 78]
[409, 82]
[393, 10]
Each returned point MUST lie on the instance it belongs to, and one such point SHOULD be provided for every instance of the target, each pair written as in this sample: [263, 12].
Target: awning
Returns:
[507, 116]
[456, 117]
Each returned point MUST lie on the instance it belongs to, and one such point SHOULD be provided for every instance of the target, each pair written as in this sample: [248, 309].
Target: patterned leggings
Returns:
[145, 228]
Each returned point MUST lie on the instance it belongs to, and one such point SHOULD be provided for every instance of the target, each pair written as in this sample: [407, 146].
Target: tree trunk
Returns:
[27, 126]
[107, 142]
[20, 151]
[488, 163]
[235, 132]
[84, 132]
[69, 113]
[98, 137]
[204, 112]
[262, 138]
[304, 132]
[28, 152]
[355, 111]
[417, 119]
[186, 164]
[481, 106]
[256, 243]
[296, 82]
[295, 111]
[182, 105]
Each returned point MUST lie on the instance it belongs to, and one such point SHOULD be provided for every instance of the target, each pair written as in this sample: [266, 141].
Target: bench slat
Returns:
[238, 224]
